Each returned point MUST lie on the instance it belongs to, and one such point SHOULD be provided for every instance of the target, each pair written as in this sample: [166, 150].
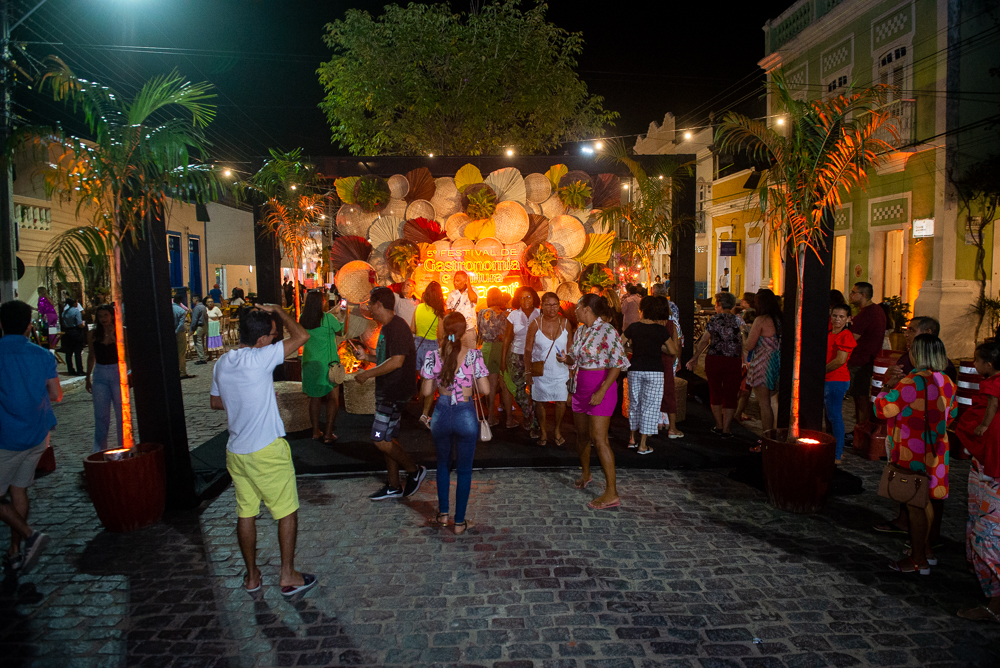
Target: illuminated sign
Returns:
[500, 268]
[923, 228]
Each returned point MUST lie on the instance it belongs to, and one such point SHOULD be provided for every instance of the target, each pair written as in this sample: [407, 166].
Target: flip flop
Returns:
[921, 569]
[979, 614]
[260, 583]
[675, 435]
[542, 443]
[584, 485]
[330, 439]
[647, 451]
[308, 582]
[604, 506]
[560, 441]
[889, 527]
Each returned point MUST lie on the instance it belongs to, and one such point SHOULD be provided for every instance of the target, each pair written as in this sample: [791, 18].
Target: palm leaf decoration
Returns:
[597, 249]
[596, 276]
[421, 184]
[466, 176]
[349, 249]
[605, 191]
[555, 174]
[827, 150]
[538, 229]
[542, 259]
[345, 188]
[423, 231]
[403, 257]
[385, 229]
[371, 193]
[480, 201]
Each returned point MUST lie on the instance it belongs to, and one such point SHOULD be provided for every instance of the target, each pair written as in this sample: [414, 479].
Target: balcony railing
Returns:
[904, 121]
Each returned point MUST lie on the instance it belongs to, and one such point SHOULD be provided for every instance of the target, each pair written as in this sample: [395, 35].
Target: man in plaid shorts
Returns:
[395, 384]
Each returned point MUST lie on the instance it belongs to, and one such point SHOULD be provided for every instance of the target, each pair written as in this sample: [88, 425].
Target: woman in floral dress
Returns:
[214, 314]
[918, 409]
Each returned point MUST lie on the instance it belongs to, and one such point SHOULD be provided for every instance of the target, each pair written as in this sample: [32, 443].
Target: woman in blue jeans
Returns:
[453, 369]
[102, 376]
[839, 344]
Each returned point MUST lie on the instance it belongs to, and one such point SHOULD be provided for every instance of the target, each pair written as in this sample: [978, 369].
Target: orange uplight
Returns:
[809, 441]
[116, 455]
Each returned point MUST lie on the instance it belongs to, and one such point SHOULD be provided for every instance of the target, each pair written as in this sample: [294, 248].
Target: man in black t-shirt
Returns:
[395, 383]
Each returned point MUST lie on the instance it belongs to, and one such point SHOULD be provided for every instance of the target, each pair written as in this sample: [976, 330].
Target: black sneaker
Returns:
[33, 548]
[13, 564]
[386, 492]
[413, 481]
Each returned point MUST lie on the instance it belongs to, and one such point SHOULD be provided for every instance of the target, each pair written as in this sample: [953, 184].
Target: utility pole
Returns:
[8, 227]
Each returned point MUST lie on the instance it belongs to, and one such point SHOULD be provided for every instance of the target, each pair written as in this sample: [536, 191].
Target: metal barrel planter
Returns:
[797, 473]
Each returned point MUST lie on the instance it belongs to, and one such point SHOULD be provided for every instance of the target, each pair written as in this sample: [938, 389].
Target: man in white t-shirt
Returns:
[463, 300]
[257, 455]
[724, 280]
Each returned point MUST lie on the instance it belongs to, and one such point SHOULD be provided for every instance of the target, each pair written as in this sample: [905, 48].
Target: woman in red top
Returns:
[979, 431]
[839, 344]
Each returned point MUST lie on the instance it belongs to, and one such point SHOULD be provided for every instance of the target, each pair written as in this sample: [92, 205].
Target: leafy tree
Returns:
[139, 156]
[827, 150]
[420, 79]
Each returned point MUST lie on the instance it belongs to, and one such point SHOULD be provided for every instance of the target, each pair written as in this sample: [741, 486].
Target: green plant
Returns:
[482, 203]
[423, 79]
[575, 195]
[403, 257]
[542, 260]
[596, 276]
[825, 148]
[371, 193]
[979, 192]
[990, 309]
[898, 312]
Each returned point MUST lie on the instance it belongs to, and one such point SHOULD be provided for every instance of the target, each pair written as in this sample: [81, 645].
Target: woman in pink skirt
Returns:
[597, 358]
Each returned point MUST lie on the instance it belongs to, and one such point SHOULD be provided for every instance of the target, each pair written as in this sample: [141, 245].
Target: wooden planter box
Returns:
[129, 493]
[797, 475]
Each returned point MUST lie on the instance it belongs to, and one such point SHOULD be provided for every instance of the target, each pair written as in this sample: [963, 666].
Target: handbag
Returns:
[336, 372]
[538, 368]
[903, 485]
[485, 431]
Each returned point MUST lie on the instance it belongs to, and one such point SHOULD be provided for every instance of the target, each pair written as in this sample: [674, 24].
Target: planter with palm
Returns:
[826, 151]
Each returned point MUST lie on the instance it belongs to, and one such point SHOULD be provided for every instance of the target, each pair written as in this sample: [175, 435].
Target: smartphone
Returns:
[343, 304]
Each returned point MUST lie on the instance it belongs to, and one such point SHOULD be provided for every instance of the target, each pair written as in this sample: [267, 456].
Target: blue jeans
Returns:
[454, 427]
[107, 392]
[833, 398]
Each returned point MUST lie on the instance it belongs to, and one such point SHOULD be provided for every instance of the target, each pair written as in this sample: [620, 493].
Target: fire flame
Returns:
[810, 441]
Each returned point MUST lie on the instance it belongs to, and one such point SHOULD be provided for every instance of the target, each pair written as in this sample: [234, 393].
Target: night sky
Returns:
[645, 59]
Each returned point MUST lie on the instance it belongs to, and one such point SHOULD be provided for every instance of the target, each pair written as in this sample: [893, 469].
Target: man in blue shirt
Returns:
[29, 383]
[199, 327]
[180, 332]
[216, 294]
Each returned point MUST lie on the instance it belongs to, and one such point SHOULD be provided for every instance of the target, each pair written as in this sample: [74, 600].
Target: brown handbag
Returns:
[538, 368]
[903, 485]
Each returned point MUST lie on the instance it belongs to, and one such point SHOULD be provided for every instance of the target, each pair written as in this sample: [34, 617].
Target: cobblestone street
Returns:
[695, 569]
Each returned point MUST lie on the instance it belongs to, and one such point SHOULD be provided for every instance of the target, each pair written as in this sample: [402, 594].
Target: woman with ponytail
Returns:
[453, 369]
[597, 357]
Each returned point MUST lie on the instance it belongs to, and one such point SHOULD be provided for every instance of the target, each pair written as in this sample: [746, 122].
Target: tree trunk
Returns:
[128, 440]
[295, 282]
[793, 419]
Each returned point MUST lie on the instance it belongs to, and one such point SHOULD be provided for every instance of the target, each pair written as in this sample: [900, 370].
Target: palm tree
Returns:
[647, 214]
[137, 158]
[827, 151]
[295, 205]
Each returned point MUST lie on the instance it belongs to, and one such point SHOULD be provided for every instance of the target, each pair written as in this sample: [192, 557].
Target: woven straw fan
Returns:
[437, 249]
[345, 188]
[569, 292]
[538, 229]
[354, 281]
[597, 249]
[511, 222]
[420, 208]
[555, 173]
[351, 220]
[398, 186]
[455, 227]
[508, 184]
[348, 249]
[490, 246]
[463, 244]
[566, 233]
[515, 251]
[553, 206]
[385, 229]
[605, 191]
[396, 208]
[568, 270]
[466, 176]
[447, 200]
[421, 184]
[537, 188]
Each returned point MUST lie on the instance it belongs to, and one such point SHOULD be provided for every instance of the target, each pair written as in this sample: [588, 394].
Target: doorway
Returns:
[174, 256]
[892, 282]
[755, 255]
[194, 265]
[838, 279]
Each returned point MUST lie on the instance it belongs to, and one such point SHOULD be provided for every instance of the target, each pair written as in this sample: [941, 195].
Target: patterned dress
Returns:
[765, 362]
[922, 399]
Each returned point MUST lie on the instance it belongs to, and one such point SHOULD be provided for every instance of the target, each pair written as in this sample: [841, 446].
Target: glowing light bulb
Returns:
[430, 155]
[293, 187]
[661, 177]
[687, 135]
[227, 173]
[510, 152]
[781, 121]
[599, 145]
[624, 186]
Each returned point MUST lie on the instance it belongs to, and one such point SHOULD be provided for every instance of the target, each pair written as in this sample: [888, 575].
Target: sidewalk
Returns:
[695, 569]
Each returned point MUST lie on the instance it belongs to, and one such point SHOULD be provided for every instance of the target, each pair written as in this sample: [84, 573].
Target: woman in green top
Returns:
[319, 351]
[426, 326]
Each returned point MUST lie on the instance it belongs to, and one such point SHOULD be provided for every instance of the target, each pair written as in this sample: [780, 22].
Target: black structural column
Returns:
[152, 347]
[682, 259]
[268, 258]
[815, 326]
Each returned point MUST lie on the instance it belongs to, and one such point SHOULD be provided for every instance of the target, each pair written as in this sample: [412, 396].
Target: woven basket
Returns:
[351, 220]
[516, 251]
[354, 282]
[537, 188]
[553, 207]
[370, 336]
[511, 222]
[420, 208]
[455, 226]
[396, 208]
[463, 244]
[569, 292]
[359, 399]
[447, 200]
[398, 186]
[533, 208]
[293, 405]
[491, 246]
[439, 248]
[566, 233]
[568, 270]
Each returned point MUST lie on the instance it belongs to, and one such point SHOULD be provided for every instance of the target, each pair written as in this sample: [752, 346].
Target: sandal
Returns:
[542, 443]
[246, 582]
[979, 614]
[898, 566]
[560, 441]
[439, 522]
[462, 527]
[425, 420]
[330, 439]
[931, 559]
[583, 485]
[889, 527]
[675, 434]
[511, 425]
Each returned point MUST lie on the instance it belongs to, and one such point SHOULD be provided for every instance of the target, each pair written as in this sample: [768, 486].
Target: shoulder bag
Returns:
[538, 368]
[337, 372]
[903, 485]
[485, 431]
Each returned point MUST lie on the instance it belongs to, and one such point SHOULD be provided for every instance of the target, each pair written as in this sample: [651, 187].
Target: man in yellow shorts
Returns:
[257, 455]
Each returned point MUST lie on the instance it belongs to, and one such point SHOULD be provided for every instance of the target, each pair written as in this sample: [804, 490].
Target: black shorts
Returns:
[387, 415]
[861, 380]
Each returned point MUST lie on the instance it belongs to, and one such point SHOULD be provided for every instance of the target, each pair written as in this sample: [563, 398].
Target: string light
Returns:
[599, 145]
[227, 173]
[687, 135]
[781, 120]
[510, 152]
[430, 155]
